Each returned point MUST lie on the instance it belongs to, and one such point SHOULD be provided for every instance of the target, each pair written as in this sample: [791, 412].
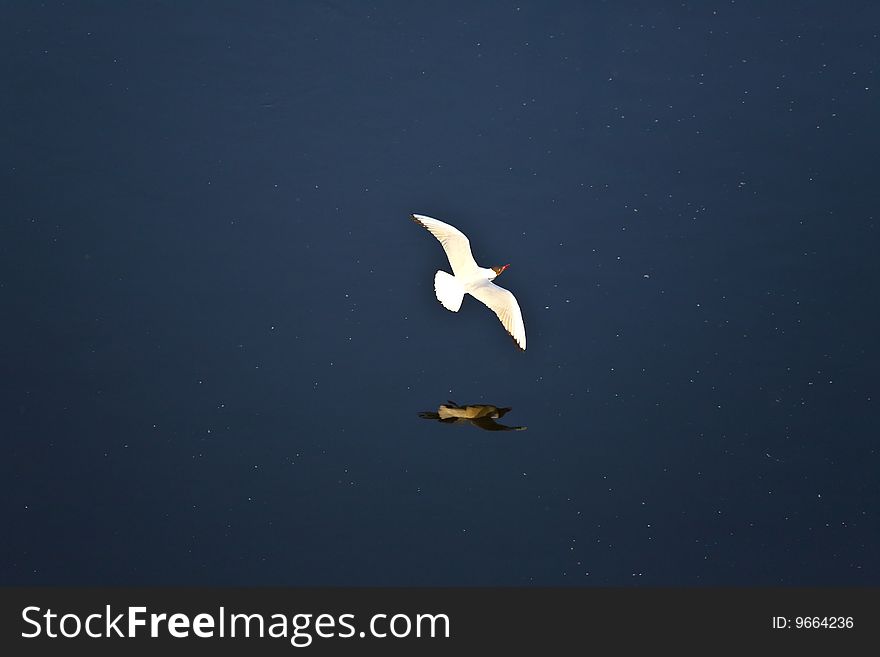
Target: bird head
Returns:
[500, 269]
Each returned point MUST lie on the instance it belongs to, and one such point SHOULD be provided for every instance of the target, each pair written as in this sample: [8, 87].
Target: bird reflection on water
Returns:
[479, 415]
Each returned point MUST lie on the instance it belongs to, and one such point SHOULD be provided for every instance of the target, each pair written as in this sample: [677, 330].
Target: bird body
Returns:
[482, 416]
[469, 278]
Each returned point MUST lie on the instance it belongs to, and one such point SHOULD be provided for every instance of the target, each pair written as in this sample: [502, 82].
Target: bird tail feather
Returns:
[449, 291]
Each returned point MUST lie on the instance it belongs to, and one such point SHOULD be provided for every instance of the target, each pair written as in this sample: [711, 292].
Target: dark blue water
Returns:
[219, 324]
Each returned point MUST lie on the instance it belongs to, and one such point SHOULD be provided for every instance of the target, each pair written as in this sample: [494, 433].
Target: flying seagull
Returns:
[468, 277]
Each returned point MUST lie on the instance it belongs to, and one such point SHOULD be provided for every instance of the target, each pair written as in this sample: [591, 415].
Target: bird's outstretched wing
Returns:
[454, 242]
[489, 424]
[503, 303]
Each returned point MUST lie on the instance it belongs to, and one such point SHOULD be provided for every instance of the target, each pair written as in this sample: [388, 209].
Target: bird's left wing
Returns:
[503, 303]
[454, 242]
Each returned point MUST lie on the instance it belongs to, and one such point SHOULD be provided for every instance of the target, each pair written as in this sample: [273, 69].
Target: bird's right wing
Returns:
[489, 424]
[454, 242]
[503, 303]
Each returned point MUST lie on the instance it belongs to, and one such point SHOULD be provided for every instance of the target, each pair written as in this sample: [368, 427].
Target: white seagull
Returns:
[472, 279]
